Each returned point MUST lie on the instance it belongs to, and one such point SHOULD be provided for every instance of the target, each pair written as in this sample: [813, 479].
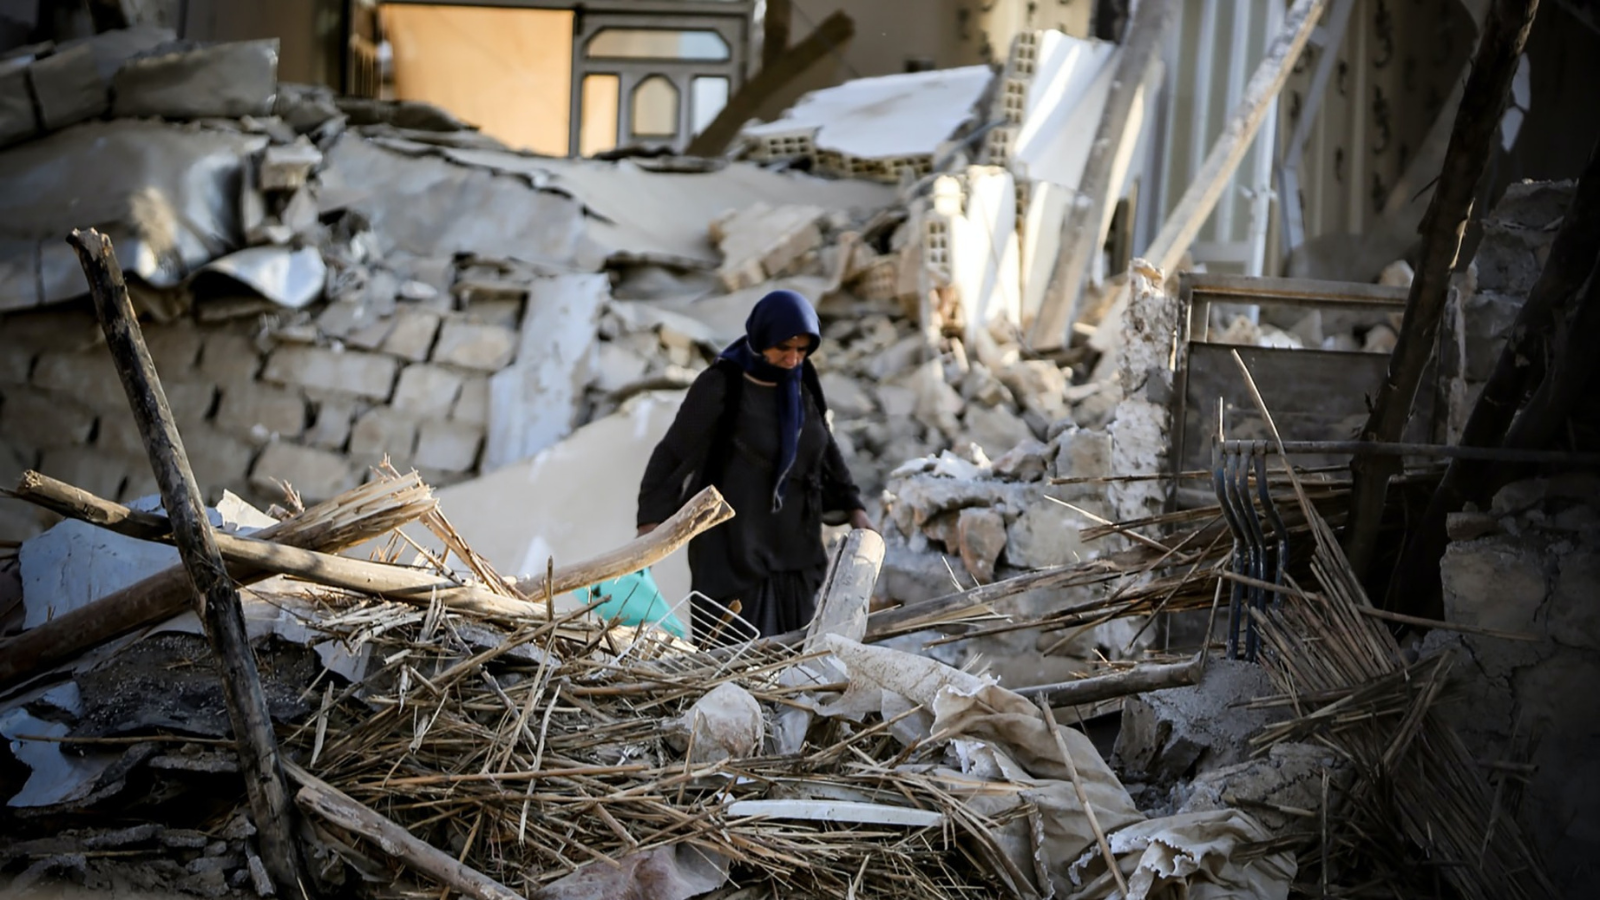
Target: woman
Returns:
[753, 425]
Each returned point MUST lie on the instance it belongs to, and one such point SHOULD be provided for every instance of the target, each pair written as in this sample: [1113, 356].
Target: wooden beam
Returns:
[1083, 231]
[1532, 341]
[344, 521]
[401, 583]
[830, 37]
[1179, 231]
[1137, 680]
[775, 31]
[1180, 228]
[328, 802]
[704, 511]
[1472, 141]
[215, 597]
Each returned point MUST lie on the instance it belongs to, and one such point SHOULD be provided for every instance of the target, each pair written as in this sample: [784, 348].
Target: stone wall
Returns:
[1530, 565]
[313, 400]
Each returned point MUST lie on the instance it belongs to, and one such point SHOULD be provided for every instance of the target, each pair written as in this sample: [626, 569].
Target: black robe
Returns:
[772, 562]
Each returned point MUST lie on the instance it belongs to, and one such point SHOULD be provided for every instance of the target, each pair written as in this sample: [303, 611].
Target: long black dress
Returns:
[771, 562]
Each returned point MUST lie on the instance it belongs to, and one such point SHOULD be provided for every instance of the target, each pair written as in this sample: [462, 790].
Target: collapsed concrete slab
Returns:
[875, 126]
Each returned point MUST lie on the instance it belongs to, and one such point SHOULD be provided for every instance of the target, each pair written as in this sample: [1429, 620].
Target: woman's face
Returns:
[788, 354]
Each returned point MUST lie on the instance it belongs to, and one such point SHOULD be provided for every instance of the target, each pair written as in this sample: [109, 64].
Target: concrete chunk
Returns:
[361, 374]
[413, 334]
[17, 120]
[286, 167]
[68, 87]
[228, 357]
[427, 390]
[316, 474]
[261, 413]
[224, 80]
[383, 432]
[448, 446]
[485, 348]
[43, 419]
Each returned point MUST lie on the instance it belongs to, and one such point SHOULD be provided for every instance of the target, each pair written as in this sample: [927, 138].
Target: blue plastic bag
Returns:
[632, 600]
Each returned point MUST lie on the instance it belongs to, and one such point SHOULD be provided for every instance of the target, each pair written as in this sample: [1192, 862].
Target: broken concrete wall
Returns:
[1530, 565]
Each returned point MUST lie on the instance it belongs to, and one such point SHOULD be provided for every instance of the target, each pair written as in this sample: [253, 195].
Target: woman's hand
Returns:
[646, 529]
[859, 519]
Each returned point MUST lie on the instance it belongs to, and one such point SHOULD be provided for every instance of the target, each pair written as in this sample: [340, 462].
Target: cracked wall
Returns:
[1529, 709]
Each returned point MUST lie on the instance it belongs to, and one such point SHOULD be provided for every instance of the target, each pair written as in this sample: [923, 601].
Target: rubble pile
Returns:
[560, 757]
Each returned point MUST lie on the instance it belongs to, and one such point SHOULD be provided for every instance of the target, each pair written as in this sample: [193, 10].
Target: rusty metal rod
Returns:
[1380, 448]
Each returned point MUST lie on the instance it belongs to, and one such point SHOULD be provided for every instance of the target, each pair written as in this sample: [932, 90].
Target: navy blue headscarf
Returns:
[778, 316]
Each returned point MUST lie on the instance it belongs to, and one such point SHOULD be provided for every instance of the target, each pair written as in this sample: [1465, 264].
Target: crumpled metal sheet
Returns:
[165, 194]
[224, 80]
[286, 276]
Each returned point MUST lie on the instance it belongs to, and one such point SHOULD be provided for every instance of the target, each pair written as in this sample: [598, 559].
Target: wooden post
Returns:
[1137, 680]
[332, 804]
[1086, 215]
[775, 31]
[1415, 588]
[830, 37]
[215, 596]
[1483, 103]
[1180, 228]
[1179, 231]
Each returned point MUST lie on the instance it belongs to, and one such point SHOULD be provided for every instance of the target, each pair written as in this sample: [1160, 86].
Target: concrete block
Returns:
[43, 419]
[448, 446]
[502, 311]
[331, 428]
[1028, 461]
[981, 536]
[174, 347]
[617, 365]
[285, 167]
[1082, 453]
[228, 357]
[427, 390]
[1045, 535]
[88, 468]
[846, 397]
[16, 363]
[259, 413]
[485, 348]
[995, 429]
[220, 461]
[472, 405]
[1039, 385]
[380, 432]
[316, 474]
[69, 87]
[349, 372]
[412, 337]
[17, 120]
[88, 377]
[226, 80]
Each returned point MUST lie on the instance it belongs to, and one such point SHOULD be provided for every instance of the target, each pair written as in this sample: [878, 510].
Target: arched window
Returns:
[655, 108]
